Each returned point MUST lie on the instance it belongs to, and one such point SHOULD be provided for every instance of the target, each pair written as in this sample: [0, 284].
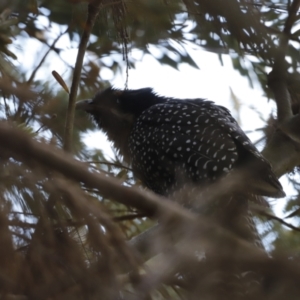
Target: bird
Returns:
[173, 143]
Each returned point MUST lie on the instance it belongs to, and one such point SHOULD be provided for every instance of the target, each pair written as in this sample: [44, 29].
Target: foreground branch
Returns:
[191, 231]
[50, 157]
[56, 160]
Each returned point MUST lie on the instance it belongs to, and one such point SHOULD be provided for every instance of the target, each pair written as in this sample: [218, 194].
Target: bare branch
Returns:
[93, 11]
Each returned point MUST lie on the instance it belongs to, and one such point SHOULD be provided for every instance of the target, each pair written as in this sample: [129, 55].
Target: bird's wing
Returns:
[186, 136]
[197, 137]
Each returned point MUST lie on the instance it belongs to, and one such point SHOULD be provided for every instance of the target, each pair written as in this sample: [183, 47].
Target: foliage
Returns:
[63, 239]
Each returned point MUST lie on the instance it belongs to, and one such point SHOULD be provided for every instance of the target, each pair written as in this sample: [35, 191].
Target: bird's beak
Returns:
[84, 104]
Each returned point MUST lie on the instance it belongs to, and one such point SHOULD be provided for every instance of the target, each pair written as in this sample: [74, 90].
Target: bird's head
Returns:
[106, 109]
[112, 119]
[115, 112]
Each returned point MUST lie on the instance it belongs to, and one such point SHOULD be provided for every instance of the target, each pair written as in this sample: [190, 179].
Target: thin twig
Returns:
[22, 224]
[109, 164]
[129, 217]
[263, 212]
[93, 11]
[53, 158]
[29, 81]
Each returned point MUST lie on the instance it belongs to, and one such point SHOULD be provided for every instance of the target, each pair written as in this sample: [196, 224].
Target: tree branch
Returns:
[53, 158]
[282, 151]
[277, 77]
[93, 11]
[181, 223]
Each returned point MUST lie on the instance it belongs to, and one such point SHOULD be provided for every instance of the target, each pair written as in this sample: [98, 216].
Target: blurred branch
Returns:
[292, 16]
[277, 77]
[184, 259]
[47, 156]
[291, 128]
[261, 211]
[50, 157]
[190, 230]
[109, 164]
[129, 217]
[93, 11]
[282, 152]
[20, 91]
[78, 201]
[14, 297]
[19, 223]
[271, 6]
[144, 240]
